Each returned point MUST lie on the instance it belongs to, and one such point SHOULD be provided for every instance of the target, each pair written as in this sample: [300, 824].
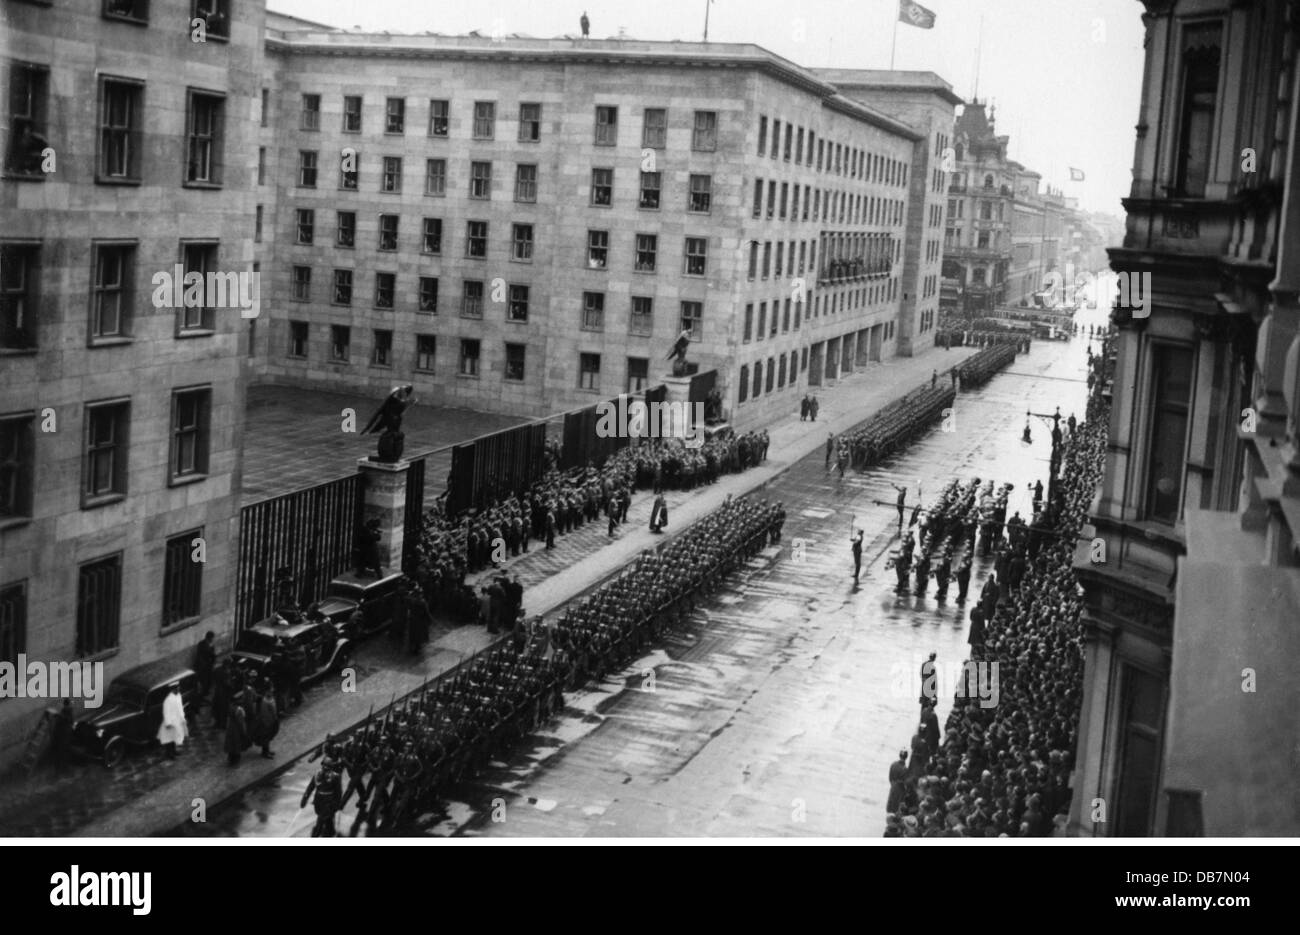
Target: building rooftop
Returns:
[290, 36]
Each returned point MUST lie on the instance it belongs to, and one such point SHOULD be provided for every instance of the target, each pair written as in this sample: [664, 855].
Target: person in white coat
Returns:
[172, 730]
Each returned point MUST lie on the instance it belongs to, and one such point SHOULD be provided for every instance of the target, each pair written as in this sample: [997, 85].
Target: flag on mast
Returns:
[915, 15]
[1076, 175]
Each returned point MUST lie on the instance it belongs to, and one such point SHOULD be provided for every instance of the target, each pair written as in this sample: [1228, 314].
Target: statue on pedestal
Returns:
[388, 421]
[678, 354]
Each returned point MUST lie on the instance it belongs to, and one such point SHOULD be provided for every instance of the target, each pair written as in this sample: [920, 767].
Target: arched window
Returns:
[988, 181]
[744, 383]
[958, 149]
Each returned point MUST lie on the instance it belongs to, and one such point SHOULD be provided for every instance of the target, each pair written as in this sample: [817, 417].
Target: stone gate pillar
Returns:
[385, 500]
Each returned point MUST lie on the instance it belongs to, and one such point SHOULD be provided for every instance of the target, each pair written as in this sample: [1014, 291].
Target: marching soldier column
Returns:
[398, 763]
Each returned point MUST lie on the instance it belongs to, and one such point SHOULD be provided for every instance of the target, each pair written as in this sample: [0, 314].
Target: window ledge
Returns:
[169, 628]
[92, 503]
[24, 176]
[187, 333]
[19, 351]
[184, 480]
[101, 655]
[467, 376]
[14, 522]
[117, 341]
[108, 180]
[210, 186]
[122, 18]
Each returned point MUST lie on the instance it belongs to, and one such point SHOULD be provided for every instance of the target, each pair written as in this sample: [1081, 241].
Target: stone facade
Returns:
[842, 180]
[67, 230]
[1189, 683]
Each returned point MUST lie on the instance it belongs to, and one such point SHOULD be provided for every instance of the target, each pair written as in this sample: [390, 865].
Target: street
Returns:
[778, 708]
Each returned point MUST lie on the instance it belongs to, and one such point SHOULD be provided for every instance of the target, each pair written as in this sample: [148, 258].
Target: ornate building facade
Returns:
[1189, 722]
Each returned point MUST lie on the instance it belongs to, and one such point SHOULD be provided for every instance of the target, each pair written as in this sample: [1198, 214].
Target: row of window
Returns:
[836, 207]
[112, 291]
[695, 250]
[214, 13]
[830, 303]
[836, 158]
[699, 190]
[99, 600]
[469, 360]
[654, 121]
[119, 139]
[105, 449]
[987, 209]
[844, 256]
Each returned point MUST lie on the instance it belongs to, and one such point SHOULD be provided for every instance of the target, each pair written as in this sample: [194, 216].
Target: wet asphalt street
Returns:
[778, 708]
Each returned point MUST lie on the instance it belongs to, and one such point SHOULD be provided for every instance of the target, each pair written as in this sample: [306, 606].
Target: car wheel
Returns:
[114, 752]
[341, 660]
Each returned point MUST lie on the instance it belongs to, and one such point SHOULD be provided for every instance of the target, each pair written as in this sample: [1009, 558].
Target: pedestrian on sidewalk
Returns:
[830, 446]
[612, 511]
[659, 514]
[265, 722]
[550, 529]
[236, 730]
[856, 545]
[803, 408]
[220, 694]
[812, 408]
[172, 730]
[842, 462]
[205, 659]
[934, 378]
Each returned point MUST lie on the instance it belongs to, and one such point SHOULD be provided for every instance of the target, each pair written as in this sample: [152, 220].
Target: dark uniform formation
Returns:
[949, 532]
[559, 503]
[980, 368]
[1004, 770]
[399, 763]
[893, 428]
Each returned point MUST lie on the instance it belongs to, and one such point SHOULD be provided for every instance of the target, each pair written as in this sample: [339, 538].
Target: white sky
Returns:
[1065, 74]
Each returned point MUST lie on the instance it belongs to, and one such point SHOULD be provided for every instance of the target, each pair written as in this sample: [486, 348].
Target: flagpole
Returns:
[707, 4]
[893, 46]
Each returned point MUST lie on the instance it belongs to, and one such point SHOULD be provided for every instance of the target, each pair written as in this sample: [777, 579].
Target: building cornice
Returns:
[641, 54]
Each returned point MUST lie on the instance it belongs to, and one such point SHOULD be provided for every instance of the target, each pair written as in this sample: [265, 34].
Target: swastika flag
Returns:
[915, 15]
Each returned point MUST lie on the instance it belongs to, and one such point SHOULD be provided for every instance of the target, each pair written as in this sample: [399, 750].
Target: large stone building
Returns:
[1189, 722]
[533, 232]
[127, 153]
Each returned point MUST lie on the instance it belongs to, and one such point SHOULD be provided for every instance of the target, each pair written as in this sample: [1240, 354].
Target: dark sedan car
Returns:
[325, 648]
[375, 597]
[132, 711]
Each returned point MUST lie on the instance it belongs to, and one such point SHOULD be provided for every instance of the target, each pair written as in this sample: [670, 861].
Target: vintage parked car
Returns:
[326, 648]
[376, 597]
[132, 711]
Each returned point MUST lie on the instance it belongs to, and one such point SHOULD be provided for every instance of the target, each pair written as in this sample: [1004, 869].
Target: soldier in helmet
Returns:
[327, 787]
